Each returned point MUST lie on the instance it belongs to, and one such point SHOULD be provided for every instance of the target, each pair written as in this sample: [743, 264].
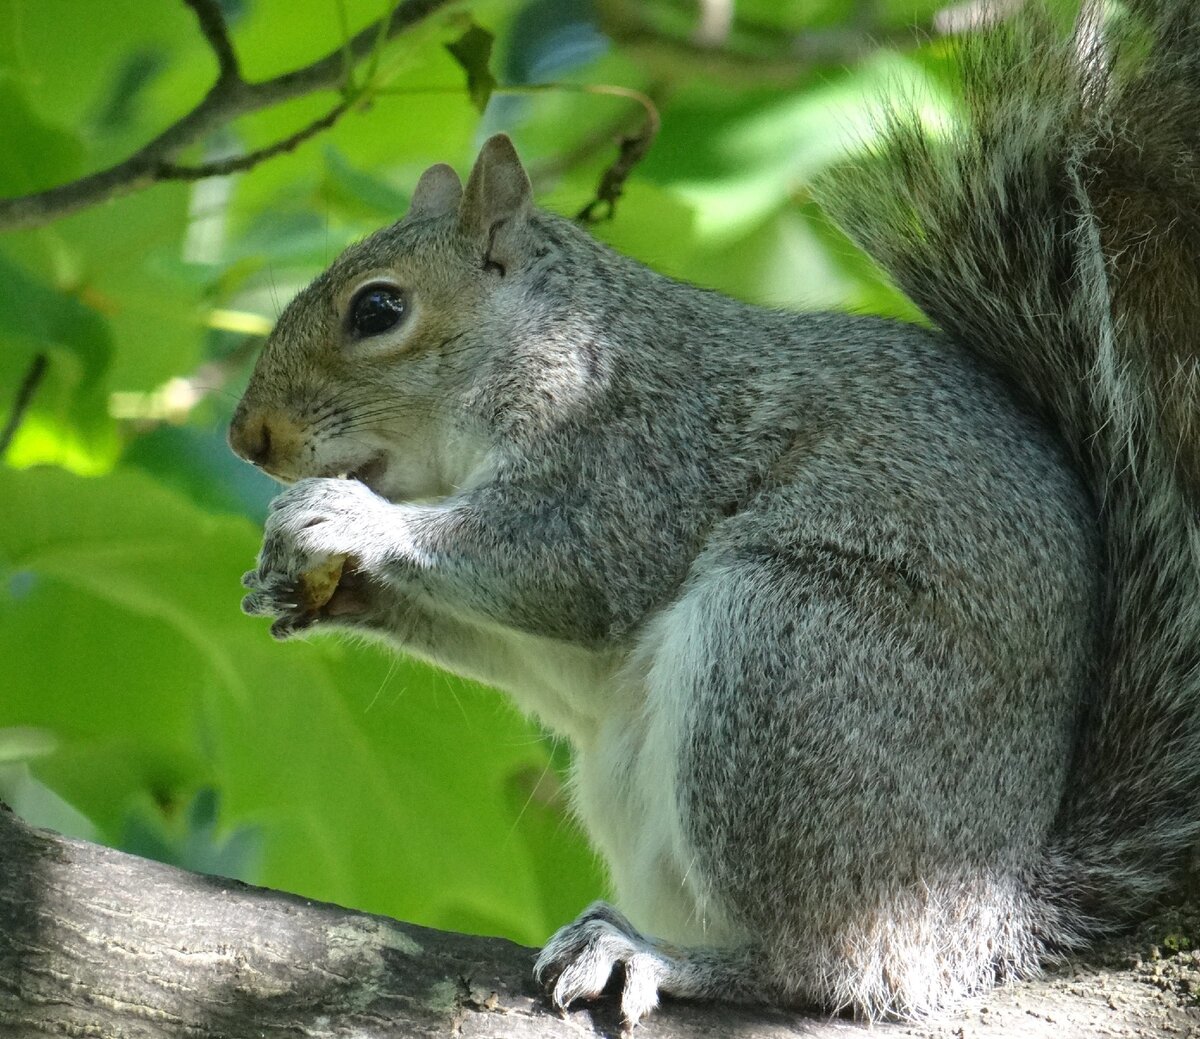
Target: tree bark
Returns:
[97, 943]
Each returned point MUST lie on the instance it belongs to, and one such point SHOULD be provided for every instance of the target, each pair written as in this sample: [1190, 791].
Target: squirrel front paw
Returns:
[313, 565]
[309, 592]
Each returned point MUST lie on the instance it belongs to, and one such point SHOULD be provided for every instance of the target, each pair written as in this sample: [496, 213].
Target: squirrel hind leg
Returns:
[579, 959]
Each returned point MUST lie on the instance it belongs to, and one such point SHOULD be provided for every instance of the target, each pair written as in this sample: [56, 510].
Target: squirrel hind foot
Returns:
[579, 959]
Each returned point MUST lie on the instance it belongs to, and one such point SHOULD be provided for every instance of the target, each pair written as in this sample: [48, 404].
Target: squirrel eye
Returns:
[375, 309]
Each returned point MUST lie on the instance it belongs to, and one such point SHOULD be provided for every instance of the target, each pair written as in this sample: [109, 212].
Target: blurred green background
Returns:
[138, 707]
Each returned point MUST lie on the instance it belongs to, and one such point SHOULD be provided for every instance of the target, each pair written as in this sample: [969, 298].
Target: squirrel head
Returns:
[370, 370]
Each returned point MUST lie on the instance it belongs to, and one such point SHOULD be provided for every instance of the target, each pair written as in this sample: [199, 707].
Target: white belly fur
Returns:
[625, 787]
[624, 715]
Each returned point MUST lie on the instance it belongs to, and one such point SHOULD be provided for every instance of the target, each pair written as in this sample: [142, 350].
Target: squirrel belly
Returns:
[875, 644]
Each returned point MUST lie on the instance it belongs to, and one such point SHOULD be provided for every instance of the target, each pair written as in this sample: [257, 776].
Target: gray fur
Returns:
[876, 645]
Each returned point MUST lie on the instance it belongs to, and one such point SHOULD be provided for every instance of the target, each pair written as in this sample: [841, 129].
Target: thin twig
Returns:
[229, 98]
[632, 148]
[598, 140]
[33, 378]
[241, 163]
[329, 71]
[212, 24]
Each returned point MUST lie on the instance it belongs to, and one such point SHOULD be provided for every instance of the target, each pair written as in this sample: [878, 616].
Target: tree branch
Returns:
[212, 24]
[631, 149]
[96, 942]
[229, 98]
[240, 163]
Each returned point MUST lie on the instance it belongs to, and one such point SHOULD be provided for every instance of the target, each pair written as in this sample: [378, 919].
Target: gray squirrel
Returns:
[878, 647]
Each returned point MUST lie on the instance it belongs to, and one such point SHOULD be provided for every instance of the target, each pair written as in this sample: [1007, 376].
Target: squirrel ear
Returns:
[437, 192]
[498, 189]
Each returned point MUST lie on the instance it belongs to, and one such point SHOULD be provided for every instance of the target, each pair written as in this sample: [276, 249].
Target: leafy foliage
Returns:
[137, 705]
[473, 50]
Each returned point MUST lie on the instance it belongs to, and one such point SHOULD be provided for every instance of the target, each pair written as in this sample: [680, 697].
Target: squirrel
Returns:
[877, 645]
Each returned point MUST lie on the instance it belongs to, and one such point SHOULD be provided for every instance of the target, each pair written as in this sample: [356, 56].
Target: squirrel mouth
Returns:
[367, 473]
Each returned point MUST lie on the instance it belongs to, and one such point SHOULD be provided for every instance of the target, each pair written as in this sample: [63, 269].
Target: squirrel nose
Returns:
[250, 436]
[251, 440]
[263, 438]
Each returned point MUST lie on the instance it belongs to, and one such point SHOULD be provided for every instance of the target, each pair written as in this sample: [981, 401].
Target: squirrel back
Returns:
[1057, 238]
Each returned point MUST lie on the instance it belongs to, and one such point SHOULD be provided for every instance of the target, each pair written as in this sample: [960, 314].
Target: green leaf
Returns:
[473, 50]
[358, 191]
[66, 419]
[190, 838]
[32, 309]
[373, 781]
[37, 154]
[73, 59]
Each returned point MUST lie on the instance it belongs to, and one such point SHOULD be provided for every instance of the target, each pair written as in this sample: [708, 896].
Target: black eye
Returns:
[375, 309]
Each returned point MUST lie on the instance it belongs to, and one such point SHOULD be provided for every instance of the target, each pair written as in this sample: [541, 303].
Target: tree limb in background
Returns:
[230, 97]
[241, 163]
[97, 942]
[769, 58]
[760, 54]
[212, 24]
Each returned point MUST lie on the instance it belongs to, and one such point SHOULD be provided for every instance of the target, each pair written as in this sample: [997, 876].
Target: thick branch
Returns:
[95, 942]
[229, 98]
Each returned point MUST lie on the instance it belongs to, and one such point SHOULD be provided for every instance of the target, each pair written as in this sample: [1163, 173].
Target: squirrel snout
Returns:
[266, 439]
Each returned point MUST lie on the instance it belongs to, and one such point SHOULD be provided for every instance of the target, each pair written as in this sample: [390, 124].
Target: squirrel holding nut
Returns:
[877, 645]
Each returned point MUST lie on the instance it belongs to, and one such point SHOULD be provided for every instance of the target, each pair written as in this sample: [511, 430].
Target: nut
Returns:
[318, 585]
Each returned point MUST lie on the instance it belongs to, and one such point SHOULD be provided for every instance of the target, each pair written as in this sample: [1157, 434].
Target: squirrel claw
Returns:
[277, 601]
[285, 627]
[263, 603]
[579, 959]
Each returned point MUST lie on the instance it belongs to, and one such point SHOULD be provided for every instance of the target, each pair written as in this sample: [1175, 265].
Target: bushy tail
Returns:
[1056, 235]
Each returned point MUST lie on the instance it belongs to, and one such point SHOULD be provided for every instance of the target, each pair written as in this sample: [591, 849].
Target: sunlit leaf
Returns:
[373, 781]
[356, 190]
[65, 419]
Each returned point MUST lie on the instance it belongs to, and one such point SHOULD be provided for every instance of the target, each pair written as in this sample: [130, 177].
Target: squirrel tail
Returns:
[1056, 236]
